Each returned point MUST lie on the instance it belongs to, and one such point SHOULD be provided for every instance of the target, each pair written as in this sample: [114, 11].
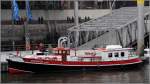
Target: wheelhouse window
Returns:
[68, 52]
[109, 54]
[56, 51]
[116, 54]
[59, 51]
[122, 54]
[64, 52]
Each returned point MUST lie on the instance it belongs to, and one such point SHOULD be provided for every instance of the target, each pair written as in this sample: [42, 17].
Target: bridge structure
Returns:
[117, 28]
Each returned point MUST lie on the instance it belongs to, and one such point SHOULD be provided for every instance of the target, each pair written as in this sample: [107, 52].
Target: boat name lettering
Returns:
[37, 61]
[89, 53]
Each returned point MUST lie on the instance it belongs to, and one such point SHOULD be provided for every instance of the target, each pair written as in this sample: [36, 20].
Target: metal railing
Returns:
[22, 47]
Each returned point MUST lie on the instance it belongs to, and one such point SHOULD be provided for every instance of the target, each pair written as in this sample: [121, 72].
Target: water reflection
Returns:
[123, 76]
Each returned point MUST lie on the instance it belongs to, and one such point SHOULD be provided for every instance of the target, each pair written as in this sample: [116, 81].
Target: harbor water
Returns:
[139, 75]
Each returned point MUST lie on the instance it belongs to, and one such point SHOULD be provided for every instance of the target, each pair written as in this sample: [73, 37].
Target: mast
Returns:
[140, 39]
[15, 17]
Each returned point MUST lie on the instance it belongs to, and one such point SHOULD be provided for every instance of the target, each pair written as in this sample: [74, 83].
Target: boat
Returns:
[66, 59]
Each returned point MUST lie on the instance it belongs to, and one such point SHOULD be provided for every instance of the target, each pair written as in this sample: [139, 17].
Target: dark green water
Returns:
[121, 76]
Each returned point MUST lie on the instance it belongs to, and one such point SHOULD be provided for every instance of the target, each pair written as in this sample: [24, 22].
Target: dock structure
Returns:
[118, 27]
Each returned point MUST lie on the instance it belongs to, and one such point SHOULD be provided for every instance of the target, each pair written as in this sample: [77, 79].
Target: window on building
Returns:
[109, 54]
[116, 54]
[122, 54]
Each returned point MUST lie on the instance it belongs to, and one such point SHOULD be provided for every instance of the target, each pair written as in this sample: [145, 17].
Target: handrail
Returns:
[22, 47]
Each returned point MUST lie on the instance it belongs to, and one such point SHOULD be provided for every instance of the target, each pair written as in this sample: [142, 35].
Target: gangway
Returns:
[118, 28]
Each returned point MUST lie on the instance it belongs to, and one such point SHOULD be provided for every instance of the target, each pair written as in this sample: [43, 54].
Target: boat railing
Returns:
[15, 58]
[134, 56]
[89, 58]
[13, 55]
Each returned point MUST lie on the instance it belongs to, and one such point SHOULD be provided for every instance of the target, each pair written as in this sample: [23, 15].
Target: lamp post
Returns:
[27, 36]
[76, 22]
[13, 34]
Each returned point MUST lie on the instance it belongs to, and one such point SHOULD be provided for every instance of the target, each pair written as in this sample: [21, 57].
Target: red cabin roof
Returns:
[61, 48]
[102, 49]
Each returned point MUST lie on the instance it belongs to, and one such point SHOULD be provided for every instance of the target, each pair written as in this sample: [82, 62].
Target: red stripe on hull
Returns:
[16, 71]
[104, 63]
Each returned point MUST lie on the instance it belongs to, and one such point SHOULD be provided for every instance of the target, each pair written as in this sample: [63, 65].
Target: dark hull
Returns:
[29, 67]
